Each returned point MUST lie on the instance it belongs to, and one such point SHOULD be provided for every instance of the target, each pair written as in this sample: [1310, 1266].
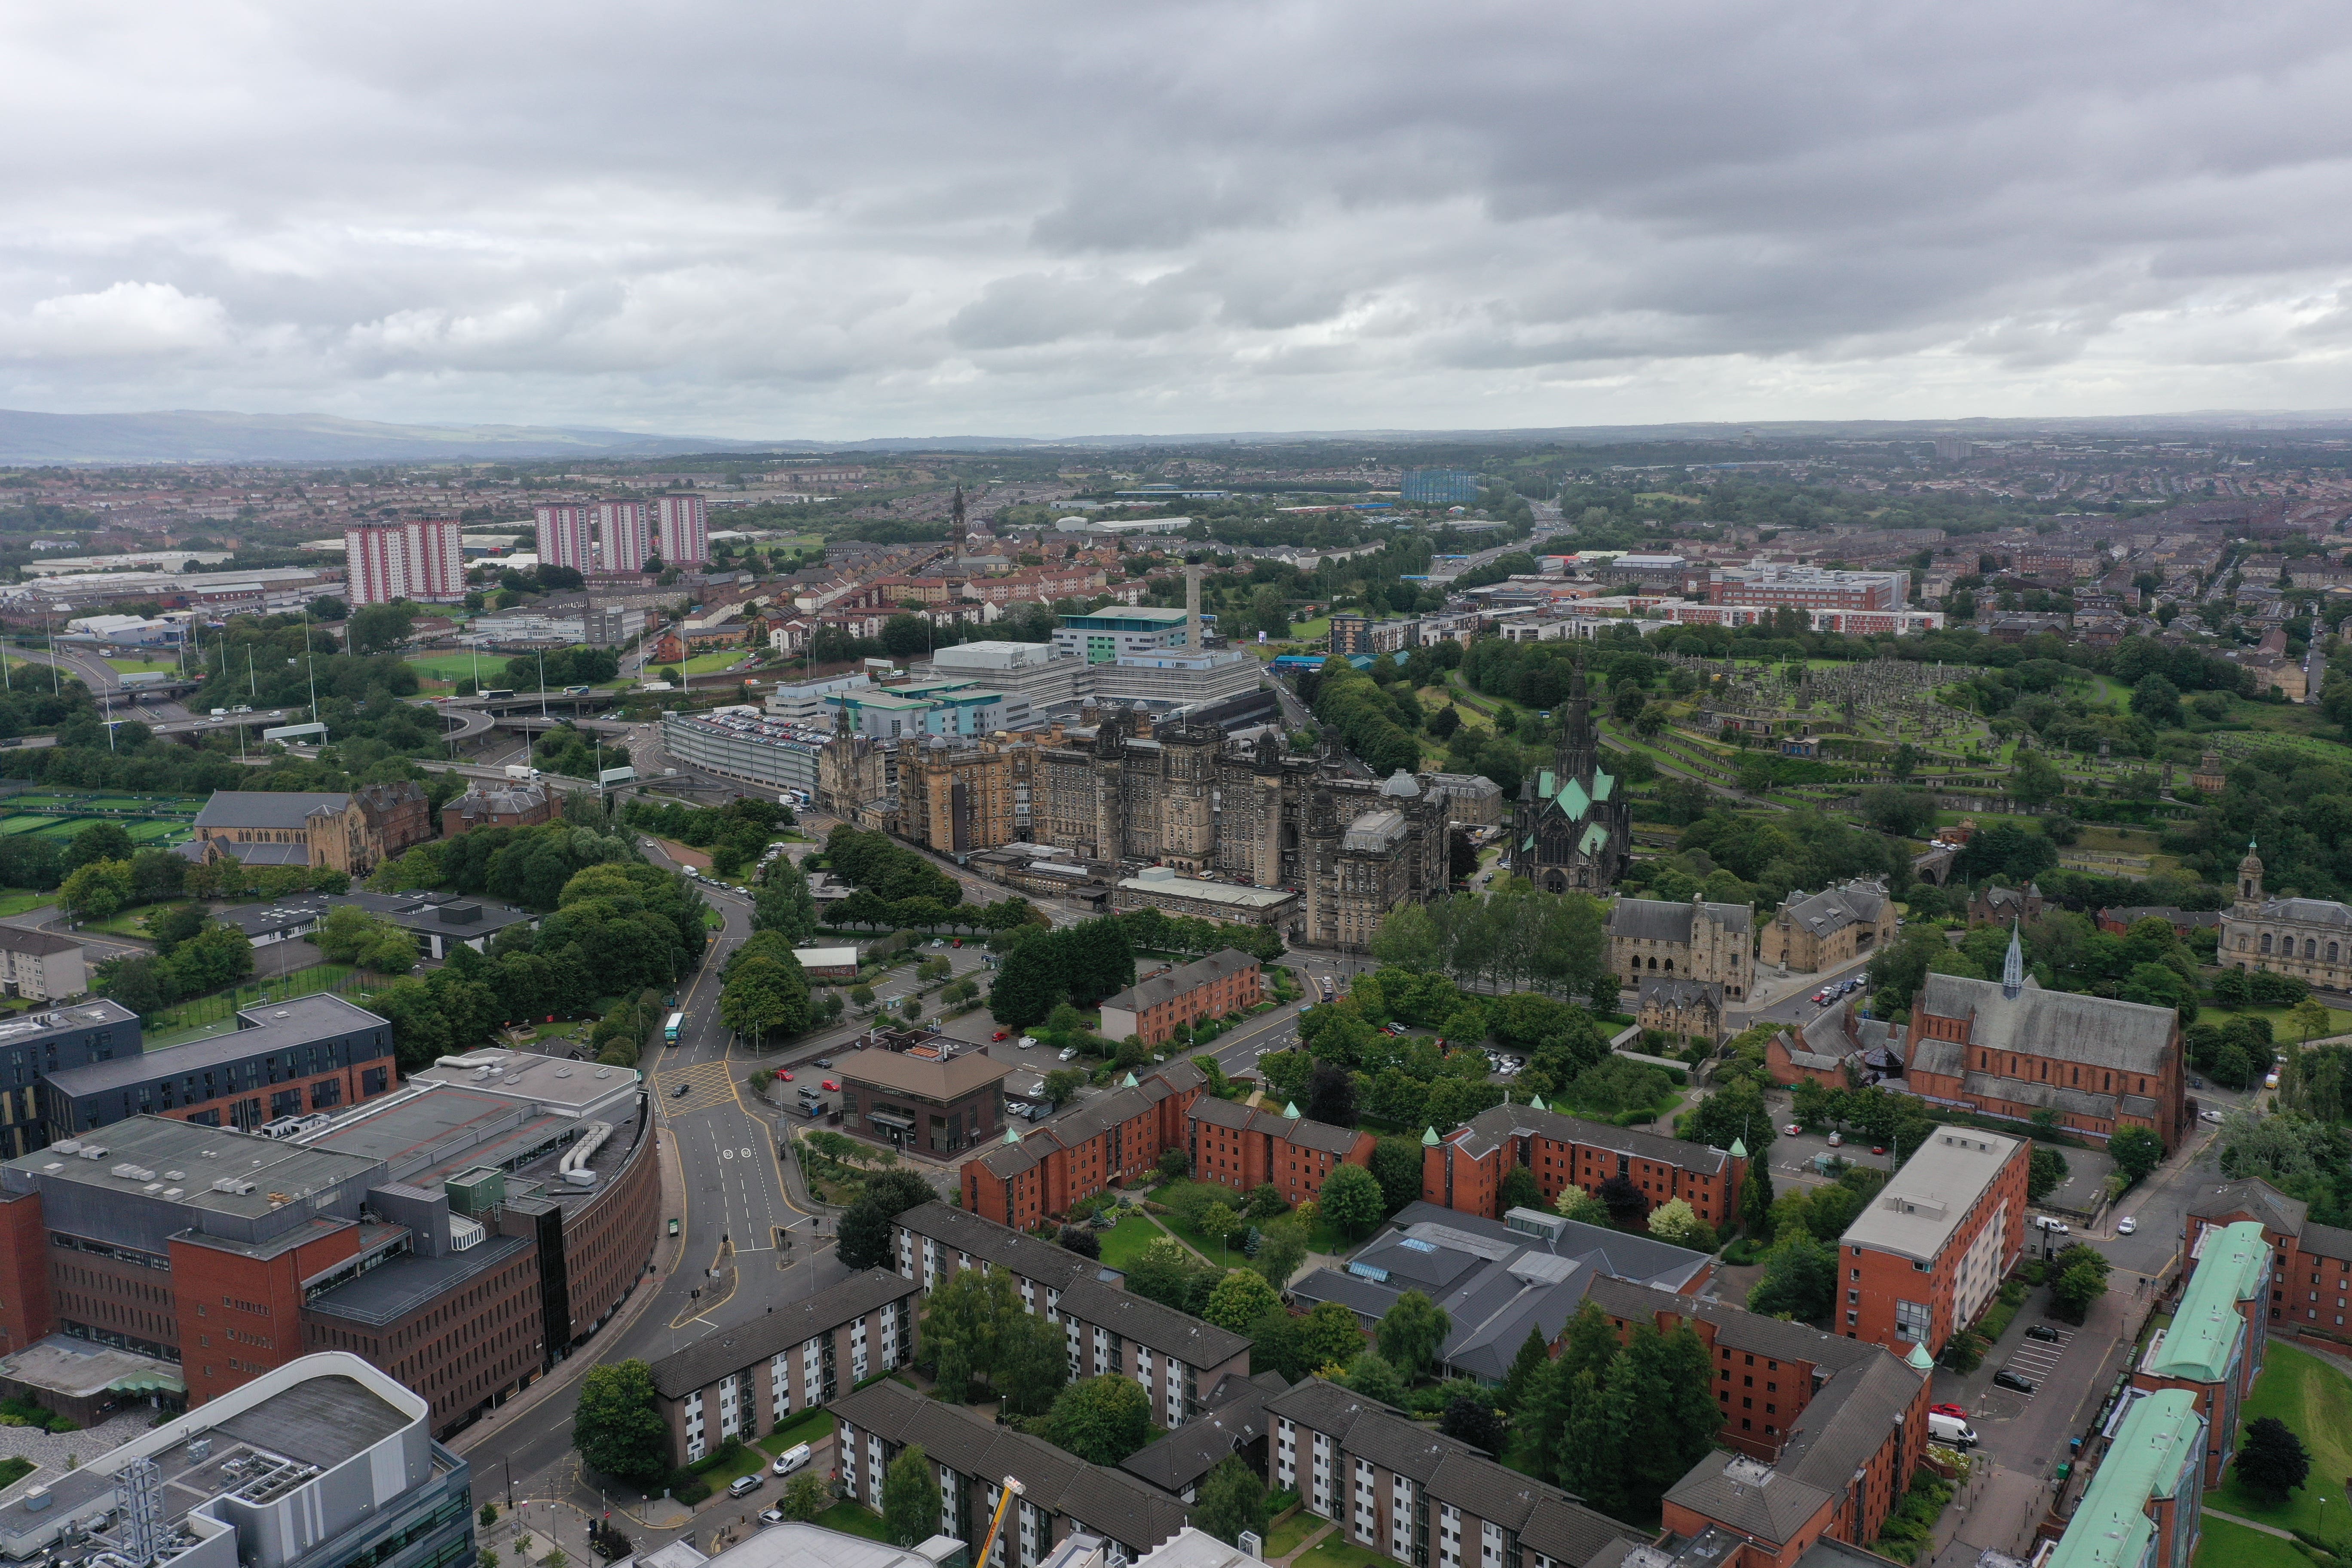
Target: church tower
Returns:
[1578, 752]
[2250, 879]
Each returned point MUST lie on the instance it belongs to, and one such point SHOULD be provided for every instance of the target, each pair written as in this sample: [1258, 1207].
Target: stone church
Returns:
[1573, 827]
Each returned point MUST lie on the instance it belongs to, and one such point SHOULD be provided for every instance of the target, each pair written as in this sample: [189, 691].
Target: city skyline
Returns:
[1170, 219]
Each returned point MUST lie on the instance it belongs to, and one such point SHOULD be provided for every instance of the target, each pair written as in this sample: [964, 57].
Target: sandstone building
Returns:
[1834, 927]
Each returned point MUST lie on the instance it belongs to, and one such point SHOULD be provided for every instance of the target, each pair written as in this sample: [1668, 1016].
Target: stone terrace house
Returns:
[1824, 930]
[1061, 1494]
[2212, 1349]
[1831, 1416]
[496, 806]
[1243, 1149]
[1153, 1010]
[2009, 1048]
[1110, 1140]
[1398, 1488]
[1175, 1357]
[1465, 1169]
[2311, 1264]
[741, 1382]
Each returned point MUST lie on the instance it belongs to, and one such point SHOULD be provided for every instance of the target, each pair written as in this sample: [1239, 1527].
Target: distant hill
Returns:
[193, 436]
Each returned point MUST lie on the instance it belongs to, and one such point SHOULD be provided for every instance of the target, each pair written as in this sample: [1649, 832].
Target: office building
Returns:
[624, 538]
[973, 1455]
[35, 1044]
[1439, 487]
[1398, 1489]
[1463, 1170]
[1175, 1357]
[2147, 1503]
[927, 708]
[1114, 634]
[745, 1382]
[1114, 1138]
[2213, 1348]
[2009, 1048]
[1153, 1010]
[1808, 588]
[1497, 1280]
[567, 536]
[1917, 1264]
[419, 559]
[803, 701]
[682, 531]
[918, 1090]
[322, 1460]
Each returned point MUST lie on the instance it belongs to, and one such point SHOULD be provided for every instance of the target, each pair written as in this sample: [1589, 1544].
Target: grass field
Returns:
[2227, 1545]
[448, 668]
[2282, 1029]
[201, 1011]
[704, 663]
[1287, 1537]
[142, 665]
[854, 1519]
[1126, 1241]
[20, 900]
[2315, 1399]
[806, 1427]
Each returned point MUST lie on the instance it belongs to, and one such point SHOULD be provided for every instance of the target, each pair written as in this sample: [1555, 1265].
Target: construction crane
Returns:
[1012, 1490]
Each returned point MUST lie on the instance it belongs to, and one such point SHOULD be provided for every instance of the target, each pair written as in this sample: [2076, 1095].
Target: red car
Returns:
[834, 1085]
[785, 1076]
[1959, 1411]
[1878, 1148]
[998, 1036]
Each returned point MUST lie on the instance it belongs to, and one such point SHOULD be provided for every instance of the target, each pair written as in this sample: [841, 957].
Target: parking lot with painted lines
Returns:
[2035, 1359]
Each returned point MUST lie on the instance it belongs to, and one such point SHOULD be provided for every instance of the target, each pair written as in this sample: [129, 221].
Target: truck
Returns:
[1950, 1430]
[517, 771]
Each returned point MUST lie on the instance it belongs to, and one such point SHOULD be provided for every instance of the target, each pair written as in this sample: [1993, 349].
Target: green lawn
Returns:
[142, 665]
[2315, 1399]
[448, 668]
[806, 1427]
[1285, 1538]
[1336, 1554]
[854, 1519]
[2227, 1545]
[749, 1462]
[19, 900]
[216, 1008]
[704, 663]
[2283, 1030]
[1126, 1241]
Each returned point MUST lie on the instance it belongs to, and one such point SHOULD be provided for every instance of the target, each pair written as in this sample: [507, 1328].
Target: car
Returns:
[2054, 1227]
[2209, 1116]
[1068, 1054]
[833, 1085]
[792, 1458]
[1000, 1034]
[1837, 1140]
[681, 1091]
[1027, 1041]
[2005, 1378]
[2126, 1226]
[673, 1225]
[824, 1062]
[1793, 1130]
[784, 1074]
[744, 1486]
[2196, 1082]
[2044, 1331]
[1878, 1148]
[1958, 1411]
[2270, 1080]
[772, 1516]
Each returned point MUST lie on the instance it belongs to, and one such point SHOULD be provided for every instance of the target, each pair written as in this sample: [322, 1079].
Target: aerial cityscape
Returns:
[1175, 788]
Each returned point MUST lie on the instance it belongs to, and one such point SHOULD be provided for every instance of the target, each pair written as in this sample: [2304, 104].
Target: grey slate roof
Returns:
[1655, 920]
[1674, 991]
[1093, 1116]
[1859, 902]
[2095, 1031]
[289, 809]
[1491, 1126]
[1000, 1246]
[1108, 1502]
[1319, 1135]
[2302, 911]
[1234, 1420]
[731, 1350]
[1167, 987]
[1734, 1326]
[2034, 1091]
[308, 1020]
[1750, 1496]
[1844, 1423]
[2253, 1196]
[1547, 1519]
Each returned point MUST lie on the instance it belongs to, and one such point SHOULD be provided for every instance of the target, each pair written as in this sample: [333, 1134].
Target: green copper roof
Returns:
[2111, 1528]
[1545, 787]
[1538, 1104]
[2205, 1330]
[1128, 1082]
[1574, 801]
[1596, 839]
[1602, 784]
[1291, 1111]
[1011, 1136]
[1530, 843]
[1429, 1138]
[1739, 1149]
[1919, 1360]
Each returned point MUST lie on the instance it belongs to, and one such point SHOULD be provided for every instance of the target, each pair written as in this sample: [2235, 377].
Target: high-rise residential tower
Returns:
[415, 559]
[623, 538]
[684, 532]
[565, 536]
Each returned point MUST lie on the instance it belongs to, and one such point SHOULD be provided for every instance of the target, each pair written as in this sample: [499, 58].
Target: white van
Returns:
[1950, 1430]
[792, 1458]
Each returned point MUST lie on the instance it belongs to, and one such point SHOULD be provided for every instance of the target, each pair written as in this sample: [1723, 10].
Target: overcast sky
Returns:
[838, 220]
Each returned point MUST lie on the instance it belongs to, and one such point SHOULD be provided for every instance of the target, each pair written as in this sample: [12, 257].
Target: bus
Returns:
[669, 1030]
[498, 693]
[1326, 991]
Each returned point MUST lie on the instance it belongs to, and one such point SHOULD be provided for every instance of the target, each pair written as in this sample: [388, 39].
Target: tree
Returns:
[2136, 1150]
[1239, 1300]
[1535, 1354]
[1281, 1248]
[1331, 1096]
[1407, 938]
[1370, 1375]
[616, 1427]
[1522, 1190]
[97, 891]
[2045, 1172]
[1232, 1500]
[1328, 1336]
[1352, 1200]
[1411, 1334]
[378, 628]
[98, 841]
[1101, 1420]
[2082, 1281]
[1033, 1363]
[910, 1497]
[1468, 1418]
[2309, 1017]
[1578, 1205]
[863, 1237]
[1396, 1166]
[805, 1498]
[2035, 779]
[1756, 1201]
[2272, 1462]
[1800, 1279]
[1592, 1453]
[1675, 1221]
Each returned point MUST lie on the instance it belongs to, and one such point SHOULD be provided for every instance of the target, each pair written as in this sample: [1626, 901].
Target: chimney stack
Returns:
[1191, 609]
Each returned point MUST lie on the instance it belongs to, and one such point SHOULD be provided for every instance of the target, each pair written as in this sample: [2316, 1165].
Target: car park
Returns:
[833, 1085]
[2126, 1226]
[2043, 1332]
[1961, 1411]
[2005, 1378]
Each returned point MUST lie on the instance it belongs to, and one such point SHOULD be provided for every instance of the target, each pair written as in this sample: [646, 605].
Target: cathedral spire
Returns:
[2013, 968]
[1579, 755]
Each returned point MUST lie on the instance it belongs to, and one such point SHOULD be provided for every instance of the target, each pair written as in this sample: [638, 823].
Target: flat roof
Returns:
[392, 1291]
[552, 1081]
[299, 1021]
[826, 957]
[185, 1160]
[1211, 892]
[1916, 1213]
[31, 1028]
[933, 1080]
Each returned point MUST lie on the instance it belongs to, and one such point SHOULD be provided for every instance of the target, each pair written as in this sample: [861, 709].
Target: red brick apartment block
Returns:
[1113, 1139]
[1465, 1169]
[1920, 1263]
[1154, 1009]
[1237, 1147]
